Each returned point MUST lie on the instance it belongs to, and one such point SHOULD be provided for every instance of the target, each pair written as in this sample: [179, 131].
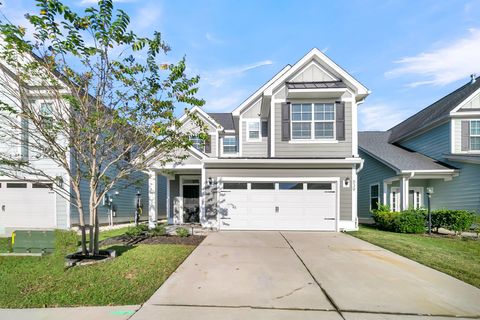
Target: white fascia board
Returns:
[180, 166]
[439, 171]
[339, 90]
[284, 161]
[464, 102]
[200, 155]
[203, 114]
[465, 114]
[260, 91]
[362, 91]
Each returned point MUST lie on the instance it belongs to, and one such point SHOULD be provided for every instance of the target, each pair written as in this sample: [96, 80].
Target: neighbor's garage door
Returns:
[278, 206]
[27, 205]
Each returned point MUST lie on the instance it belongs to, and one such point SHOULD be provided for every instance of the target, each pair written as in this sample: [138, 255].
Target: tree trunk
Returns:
[96, 248]
[84, 240]
[91, 239]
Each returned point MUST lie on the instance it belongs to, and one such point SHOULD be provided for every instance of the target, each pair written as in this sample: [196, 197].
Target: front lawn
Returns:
[128, 279]
[458, 257]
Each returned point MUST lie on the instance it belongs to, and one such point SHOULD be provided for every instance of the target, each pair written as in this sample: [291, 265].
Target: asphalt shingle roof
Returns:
[316, 85]
[376, 143]
[225, 119]
[435, 112]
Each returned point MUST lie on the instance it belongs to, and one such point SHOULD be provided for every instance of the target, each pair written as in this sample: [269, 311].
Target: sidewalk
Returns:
[80, 313]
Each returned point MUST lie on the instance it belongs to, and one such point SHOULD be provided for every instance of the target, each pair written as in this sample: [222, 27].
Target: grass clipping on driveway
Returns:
[128, 279]
[458, 257]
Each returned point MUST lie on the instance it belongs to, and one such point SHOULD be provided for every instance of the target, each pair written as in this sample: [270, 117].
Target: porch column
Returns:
[404, 187]
[152, 199]
[385, 193]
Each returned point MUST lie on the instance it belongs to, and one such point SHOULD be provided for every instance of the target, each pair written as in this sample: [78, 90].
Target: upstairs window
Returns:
[313, 121]
[230, 145]
[198, 143]
[475, 135]
[253, 131]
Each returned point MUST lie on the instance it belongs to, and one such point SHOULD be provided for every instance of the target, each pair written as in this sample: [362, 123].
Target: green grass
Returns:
[5, 244]
[458, 257]
[131, 278]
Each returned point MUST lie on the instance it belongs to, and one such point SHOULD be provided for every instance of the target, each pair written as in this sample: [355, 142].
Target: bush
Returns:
[66, 241]
[182, 232]
[476, 224]
[453, 220]
[410, 221]
[384, 218]
[136, 230]
[159, 230]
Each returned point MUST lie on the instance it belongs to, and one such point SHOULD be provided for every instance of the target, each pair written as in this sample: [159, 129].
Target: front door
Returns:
[191, 204]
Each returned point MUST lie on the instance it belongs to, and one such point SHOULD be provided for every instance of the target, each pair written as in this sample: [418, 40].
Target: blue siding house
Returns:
[437, 148]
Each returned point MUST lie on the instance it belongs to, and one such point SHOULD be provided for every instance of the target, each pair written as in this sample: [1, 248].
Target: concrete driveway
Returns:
[305, 275]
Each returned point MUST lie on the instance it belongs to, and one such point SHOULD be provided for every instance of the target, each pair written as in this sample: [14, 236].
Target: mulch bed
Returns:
[170, 239]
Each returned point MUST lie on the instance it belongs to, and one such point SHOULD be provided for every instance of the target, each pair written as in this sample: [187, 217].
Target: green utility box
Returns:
[33, 241]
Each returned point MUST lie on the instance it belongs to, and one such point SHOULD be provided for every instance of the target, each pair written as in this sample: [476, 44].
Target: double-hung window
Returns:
[230, 145]
[253, 131]
[475, 135]
[374, 192]
[313, 121]
[197, 143]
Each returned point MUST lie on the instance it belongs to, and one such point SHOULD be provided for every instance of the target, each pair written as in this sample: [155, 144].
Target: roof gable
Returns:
[434, 114]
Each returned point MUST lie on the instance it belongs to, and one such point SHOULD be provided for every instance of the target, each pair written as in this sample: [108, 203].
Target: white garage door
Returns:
[27, 205]
[278, 206]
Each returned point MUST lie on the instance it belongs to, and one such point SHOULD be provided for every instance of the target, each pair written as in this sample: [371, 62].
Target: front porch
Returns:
[410, 190]
[181, 191]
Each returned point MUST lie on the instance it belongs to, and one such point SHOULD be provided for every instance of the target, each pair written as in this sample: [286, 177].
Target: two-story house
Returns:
[31, 202]
[437, 148]
[285, 159]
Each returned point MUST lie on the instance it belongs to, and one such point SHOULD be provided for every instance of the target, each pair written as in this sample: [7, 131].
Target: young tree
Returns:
[87, 93]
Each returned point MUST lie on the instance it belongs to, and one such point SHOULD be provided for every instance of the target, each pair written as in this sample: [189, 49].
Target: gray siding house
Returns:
[285, 159]
[438, 147]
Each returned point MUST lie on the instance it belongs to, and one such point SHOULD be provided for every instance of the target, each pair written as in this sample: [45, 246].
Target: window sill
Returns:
[309, 141]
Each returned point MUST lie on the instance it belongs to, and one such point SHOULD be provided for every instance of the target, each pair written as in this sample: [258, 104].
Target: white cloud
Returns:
[453, 61]
[219, 77]
[213, 38]
[147, 18]
[380, 116]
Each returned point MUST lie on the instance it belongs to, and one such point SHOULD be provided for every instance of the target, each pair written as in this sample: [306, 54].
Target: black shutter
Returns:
[208, 145]
[340, 120]
[285, 121]
[264, 128]
[465, 135]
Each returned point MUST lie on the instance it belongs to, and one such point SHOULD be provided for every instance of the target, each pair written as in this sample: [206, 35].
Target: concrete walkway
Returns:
[81, 313]
[305, 275]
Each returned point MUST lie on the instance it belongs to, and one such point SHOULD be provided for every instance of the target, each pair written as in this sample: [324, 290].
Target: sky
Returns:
[407, 53]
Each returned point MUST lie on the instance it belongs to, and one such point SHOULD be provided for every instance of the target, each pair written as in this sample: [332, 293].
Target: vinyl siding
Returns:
[340, 149]
[373, 172]
[124, 202]
[345, 193]
[253, 149]
[462, 192]
[162, 197]
[433, 143]
[61, 205]
[190, 126]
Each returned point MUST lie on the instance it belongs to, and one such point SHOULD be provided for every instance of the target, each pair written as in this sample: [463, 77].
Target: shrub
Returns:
[182, 232]
[410, 221]
[453, 220]
[159, 230]
[136, 230]
[384, 218]
[476, 224]
[66, 241]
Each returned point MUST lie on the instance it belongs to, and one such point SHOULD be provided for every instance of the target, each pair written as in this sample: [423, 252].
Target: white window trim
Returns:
[247, 124]
[312, 125]
[470, 150]
[370, 195]
[232, 154]
[397, 197]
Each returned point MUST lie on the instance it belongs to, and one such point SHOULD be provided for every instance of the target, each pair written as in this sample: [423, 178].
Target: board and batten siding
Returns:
[373, 172]
[345, 193]
[296, 149]
[433, 143]
[253, 149]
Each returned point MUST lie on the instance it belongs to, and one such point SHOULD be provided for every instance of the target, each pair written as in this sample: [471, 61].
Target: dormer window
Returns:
[230, 145]
[313, 121]
[198, 143]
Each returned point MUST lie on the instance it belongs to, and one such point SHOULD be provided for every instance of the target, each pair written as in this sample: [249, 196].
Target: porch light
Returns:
[346, 182]
[210, 181]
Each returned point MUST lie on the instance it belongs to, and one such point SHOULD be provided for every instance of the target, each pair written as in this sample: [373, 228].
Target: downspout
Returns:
[360, 167]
